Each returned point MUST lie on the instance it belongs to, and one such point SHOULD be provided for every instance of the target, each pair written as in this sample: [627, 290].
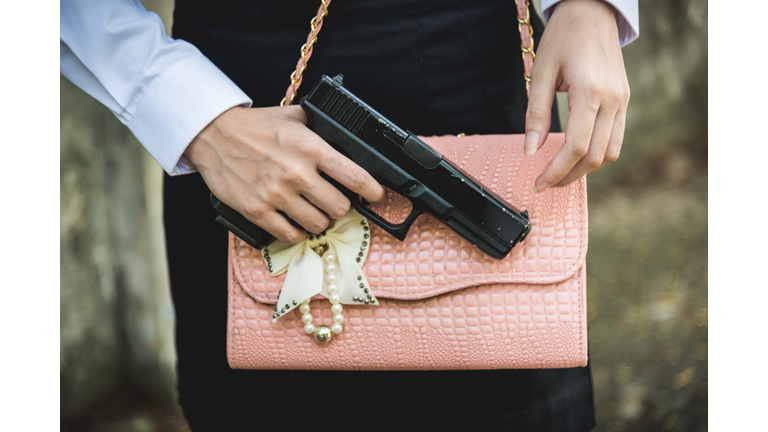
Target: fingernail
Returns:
[531, 143]
[540, 188]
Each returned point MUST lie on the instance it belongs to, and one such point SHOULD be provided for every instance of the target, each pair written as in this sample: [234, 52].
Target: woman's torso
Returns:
[433, 67]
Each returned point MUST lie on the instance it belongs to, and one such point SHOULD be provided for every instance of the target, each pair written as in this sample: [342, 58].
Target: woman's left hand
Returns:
[579, 53]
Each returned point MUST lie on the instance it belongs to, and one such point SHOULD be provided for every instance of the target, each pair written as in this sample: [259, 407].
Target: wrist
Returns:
[201, 146]
[605, 10]
[581, 11]
[581, 14]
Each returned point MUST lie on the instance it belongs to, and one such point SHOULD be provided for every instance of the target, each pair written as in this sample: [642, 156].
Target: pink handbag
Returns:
[442, 303]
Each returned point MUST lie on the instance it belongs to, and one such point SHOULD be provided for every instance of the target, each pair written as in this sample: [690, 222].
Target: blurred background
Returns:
[647, 260]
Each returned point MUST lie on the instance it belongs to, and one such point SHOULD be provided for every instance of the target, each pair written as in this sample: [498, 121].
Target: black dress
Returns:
[433, 67]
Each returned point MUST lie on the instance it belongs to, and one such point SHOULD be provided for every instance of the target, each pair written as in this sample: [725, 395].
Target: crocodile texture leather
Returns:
[444, 303]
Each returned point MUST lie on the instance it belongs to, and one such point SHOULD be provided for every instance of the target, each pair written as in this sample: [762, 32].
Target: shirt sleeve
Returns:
[166, 91]
[627, 17]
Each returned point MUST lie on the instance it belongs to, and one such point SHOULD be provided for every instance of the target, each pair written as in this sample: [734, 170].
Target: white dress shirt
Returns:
[165, 90]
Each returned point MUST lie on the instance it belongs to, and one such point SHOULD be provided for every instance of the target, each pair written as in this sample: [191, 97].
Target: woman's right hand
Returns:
[264, 161]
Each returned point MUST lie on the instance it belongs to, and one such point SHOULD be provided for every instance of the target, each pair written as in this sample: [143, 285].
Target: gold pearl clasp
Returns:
[323, 334]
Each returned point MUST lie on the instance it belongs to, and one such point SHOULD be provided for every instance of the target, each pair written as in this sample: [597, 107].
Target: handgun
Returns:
[399, 160]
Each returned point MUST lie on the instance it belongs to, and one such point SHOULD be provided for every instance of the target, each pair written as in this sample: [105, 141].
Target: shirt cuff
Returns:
[177, 105]
[627, 17]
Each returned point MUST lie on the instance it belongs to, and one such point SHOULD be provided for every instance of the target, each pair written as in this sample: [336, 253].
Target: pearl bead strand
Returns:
[321, 333]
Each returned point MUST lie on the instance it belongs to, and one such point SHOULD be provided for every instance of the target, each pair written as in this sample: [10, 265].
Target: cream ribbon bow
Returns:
[345, 242]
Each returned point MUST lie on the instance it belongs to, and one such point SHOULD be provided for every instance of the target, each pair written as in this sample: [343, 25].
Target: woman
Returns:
[432, 68]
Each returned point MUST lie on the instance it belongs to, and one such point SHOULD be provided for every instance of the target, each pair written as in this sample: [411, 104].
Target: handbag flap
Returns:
[434, 260]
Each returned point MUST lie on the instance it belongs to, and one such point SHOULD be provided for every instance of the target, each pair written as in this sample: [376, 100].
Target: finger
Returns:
[578, 133]
[277, 225]
[593, 160]
[538, 116]
[326, 197]
[305, 214]
[351, 176]
[617, 137]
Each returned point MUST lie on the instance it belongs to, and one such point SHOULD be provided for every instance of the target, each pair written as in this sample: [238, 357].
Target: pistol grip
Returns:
[249, 232]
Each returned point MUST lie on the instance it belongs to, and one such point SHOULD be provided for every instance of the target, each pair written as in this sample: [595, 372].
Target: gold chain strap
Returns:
[306, 50]
[526, 49]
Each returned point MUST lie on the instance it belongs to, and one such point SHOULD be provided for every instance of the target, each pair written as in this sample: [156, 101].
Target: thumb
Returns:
[538, 117]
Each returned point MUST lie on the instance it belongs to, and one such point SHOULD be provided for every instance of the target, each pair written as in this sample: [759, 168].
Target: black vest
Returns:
[433, 67]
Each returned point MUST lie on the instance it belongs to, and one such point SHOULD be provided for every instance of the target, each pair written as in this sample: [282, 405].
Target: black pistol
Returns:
[402, 162]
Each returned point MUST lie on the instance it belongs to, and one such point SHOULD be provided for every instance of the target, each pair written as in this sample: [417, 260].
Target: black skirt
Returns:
[433, 67]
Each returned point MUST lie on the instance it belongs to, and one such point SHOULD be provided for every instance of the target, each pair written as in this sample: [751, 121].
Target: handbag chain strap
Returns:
[523, 26]
[526, 40]
[306, 52]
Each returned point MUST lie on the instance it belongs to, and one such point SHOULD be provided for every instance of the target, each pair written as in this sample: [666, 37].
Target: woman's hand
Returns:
[579, 53]
[264, 161]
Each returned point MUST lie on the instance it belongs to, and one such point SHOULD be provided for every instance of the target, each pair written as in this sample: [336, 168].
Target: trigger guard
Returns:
[398, 231]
